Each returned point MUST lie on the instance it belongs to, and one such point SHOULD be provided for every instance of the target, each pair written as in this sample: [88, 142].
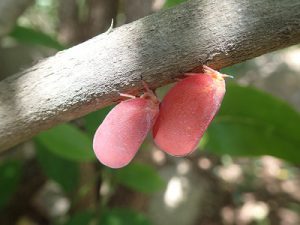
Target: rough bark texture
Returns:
[10, 10]
[157, 49]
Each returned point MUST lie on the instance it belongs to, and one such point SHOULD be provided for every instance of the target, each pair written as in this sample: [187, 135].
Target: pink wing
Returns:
[123, 131]
[185, 113]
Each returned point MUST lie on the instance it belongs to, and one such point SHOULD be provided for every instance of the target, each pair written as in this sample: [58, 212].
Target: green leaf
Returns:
[10, 175]
[171, 3]
[253, 123]
[64, 172]
[139, 177]
[31, 36]
[68, 142]
[120, 216]
[94, 119]
[81, 218]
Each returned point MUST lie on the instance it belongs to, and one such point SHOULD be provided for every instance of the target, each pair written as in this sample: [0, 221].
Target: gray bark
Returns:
[157, 49]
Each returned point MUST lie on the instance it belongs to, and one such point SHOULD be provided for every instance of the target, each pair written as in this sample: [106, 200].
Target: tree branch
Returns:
[157, 49]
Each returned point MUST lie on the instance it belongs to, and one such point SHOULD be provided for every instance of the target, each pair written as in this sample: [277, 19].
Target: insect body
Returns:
[124, 129]
[187, 110]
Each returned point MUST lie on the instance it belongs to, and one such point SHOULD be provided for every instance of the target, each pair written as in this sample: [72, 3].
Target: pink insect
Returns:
[124, 129]
[187, 110]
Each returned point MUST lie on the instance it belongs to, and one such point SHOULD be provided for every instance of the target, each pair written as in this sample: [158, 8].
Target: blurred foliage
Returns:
[253, 123]
[94, 119]
[68, 142]
[171, 3]
[118, 216]
[10, 174]
[30, 36]
[139, 177]
[61, 170]
[81, 218]
[114, 216]
[42, 16]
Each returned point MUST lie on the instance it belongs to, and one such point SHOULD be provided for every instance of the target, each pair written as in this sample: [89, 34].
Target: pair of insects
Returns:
[177, 123]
